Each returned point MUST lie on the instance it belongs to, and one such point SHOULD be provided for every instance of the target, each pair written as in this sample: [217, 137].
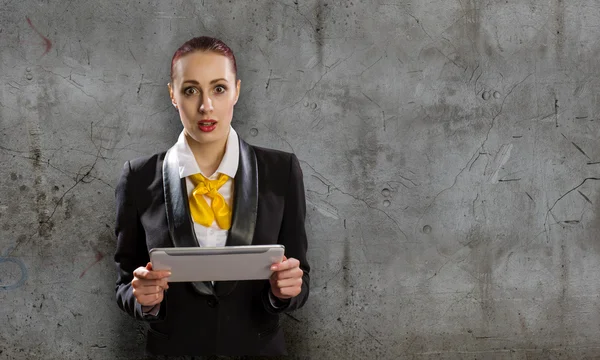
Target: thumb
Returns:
[149, 266]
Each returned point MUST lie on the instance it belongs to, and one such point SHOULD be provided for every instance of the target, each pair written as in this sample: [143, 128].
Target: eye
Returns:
[219, 89]
[190, 91]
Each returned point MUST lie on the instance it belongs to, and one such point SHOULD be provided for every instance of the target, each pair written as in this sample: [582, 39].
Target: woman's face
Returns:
[204, 90]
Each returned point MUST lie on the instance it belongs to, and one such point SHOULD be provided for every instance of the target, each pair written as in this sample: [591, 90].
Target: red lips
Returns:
[207, 125]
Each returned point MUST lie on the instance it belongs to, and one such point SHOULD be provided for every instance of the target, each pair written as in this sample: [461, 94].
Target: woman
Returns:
[210, 189]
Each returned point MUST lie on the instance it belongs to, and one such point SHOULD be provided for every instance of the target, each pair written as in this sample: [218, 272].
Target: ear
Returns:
[172, 95]
[237, 87]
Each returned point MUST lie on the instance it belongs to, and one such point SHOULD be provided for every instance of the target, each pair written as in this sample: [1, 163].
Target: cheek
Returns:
[187, 112]
[188, 105]
[228, 106]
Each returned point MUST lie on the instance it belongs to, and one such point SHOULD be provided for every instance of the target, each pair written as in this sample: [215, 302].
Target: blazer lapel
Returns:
[245, 204]
[178, 213]
[245, 207]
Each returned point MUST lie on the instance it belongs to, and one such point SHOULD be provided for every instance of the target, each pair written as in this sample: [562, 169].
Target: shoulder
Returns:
[148, 163]
[272, 155]
[277, 165]
[142, 173]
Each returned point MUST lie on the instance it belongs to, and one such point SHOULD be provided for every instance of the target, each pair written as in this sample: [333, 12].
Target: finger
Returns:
[140, 272]
[163, 283]
[290, 273]
[274, 266]
[137, 283]
[279, 295]
[286, 264]
[290, 291]
[289, 283]
[273, 280]
[156, 301]
[164, 274]
[143, 273]
[148, 300]
[148, 290]
[160, 273]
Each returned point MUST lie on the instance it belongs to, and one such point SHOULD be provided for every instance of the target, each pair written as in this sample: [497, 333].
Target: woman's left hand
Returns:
[286, 281]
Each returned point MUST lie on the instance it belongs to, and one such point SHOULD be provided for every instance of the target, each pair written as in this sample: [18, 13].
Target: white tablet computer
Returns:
[227, 263]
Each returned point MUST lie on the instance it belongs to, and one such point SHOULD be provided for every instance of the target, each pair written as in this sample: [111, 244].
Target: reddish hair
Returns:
[204, 43]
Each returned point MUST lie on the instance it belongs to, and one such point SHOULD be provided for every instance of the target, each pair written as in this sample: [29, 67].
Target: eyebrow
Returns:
[212, 82]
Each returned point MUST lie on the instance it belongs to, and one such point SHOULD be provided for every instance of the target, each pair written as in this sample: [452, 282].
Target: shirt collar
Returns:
[188, 165]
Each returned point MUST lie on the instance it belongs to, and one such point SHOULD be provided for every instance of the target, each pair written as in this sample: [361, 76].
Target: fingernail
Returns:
[274, 267]
[169, 273]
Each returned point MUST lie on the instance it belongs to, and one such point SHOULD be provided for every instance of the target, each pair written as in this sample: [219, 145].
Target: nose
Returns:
[206, 105]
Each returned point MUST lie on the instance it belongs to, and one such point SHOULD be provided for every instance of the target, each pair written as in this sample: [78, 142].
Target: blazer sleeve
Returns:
[293, 236]
[131, 251]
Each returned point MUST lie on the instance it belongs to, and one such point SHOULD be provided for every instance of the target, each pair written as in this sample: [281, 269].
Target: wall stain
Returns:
[319, 30]
[560, 29]
[99, 257]
[47, 42]
[6, 258]
[69, 207]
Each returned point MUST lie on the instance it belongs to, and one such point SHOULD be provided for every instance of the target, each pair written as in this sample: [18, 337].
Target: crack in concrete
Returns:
[318, 81]
[361, 200]
[565, 194]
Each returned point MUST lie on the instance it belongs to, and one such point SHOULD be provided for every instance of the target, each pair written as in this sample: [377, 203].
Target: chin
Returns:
[205, 138]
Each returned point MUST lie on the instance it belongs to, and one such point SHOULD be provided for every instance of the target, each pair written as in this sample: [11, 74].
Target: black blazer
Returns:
[229, 318]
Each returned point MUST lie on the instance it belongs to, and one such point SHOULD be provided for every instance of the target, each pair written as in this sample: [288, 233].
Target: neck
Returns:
[209, 155]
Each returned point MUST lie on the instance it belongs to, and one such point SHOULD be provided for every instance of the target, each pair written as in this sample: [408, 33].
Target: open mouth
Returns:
[207, 125]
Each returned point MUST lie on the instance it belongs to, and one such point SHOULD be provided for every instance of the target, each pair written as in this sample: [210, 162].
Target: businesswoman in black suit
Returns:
[210, 189]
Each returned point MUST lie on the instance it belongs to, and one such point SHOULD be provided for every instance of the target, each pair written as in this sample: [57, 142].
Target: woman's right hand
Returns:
[149, 285]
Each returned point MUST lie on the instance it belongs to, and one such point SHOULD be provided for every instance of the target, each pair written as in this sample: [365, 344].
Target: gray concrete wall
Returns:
[449, 148]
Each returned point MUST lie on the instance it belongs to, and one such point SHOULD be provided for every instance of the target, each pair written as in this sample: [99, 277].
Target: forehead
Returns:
[202, 67]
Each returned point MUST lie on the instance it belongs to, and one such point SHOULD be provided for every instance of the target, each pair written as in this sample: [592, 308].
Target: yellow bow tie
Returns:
[201, 212]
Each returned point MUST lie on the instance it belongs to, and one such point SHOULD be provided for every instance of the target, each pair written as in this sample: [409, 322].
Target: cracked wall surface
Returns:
[449, 148]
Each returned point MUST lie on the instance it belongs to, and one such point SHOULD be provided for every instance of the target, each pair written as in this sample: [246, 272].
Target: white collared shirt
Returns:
[210, 236]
